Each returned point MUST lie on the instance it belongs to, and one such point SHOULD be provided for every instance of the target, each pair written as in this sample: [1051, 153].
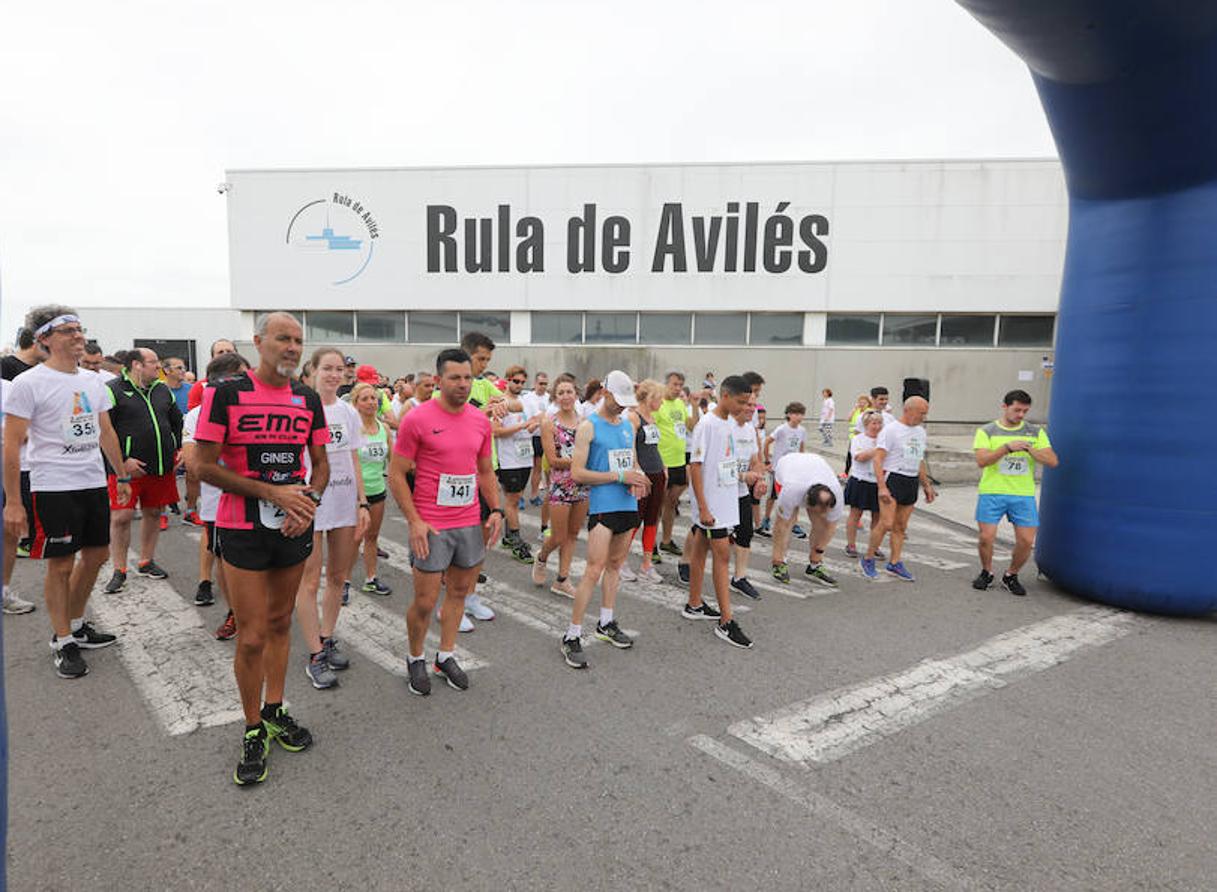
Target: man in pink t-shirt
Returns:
[445, 443]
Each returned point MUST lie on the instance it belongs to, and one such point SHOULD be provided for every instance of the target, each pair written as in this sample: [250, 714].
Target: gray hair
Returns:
[263, 321]
[418, 376]
[674, 372]
[40, 316]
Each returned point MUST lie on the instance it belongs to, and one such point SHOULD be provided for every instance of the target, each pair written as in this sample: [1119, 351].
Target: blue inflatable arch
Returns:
[1130, 91]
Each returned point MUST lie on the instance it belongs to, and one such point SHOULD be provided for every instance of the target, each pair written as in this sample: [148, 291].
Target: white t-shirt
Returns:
[746, 446]
[828, 411]
[713, 446]
[800, 471]
[25, 446]
[397, 404]
[209, 496]
[64, 411]
[105, 375]
[786, 439]
[515, 450]
[862, 470]
[887, 416]
[905, 448]
[534, 403]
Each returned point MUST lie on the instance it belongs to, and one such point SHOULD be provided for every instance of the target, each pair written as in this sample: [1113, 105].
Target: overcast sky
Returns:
[117, 120]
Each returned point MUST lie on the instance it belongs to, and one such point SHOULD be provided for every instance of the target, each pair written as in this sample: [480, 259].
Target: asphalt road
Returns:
[1091, 768]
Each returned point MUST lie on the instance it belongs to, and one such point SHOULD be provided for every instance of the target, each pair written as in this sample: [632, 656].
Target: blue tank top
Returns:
[611, 449]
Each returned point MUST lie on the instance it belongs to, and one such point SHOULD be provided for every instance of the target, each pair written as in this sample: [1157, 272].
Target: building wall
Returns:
[116, 328]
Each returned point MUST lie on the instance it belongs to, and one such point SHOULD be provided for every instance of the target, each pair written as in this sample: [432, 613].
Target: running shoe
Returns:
[546, 532]
[898, 570]
[851, 551]
[69, 663]
[227, 629]
[163, 523]
[572, 652]
[798, 532]
[466, 624]
[780, 572]
[15, 604]
[539, 573]
[983, 581]
[649, 574]
[656, 557]
[879, 555]
[283, 729]
[23, 550]
[682, 572]
[91, 639]
[481, 579]
[117, 583]
[536, 501]
[453, 674]
[819, 574]
[670, 547]
[522, 504]
[346, 592]
[868, 568]
[563, 588]
[203, 595]
[375, 587]
[1009, 581]
[612, 633]
[254, 750]
[521, 552]
[330, 651]
[191, 518]
[420, 681]
[765, 530]
[744, 587]
[626, 574]
[381, 553]
[479, 611]
[701, 611]
[732, 634]
[320, 673]
[151, 569]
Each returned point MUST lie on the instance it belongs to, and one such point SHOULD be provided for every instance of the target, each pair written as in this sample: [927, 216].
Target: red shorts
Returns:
[150, 491]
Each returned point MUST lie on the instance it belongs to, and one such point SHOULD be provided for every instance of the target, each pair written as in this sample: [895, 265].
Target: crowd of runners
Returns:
[288, 462]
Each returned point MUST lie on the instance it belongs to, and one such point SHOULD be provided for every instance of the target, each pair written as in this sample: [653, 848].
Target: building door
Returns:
[162, 348]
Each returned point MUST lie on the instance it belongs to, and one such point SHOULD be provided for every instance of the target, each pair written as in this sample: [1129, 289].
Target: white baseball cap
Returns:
[621, 387]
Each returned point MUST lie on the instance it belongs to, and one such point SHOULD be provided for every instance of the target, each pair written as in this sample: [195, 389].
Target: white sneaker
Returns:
[475, 608]
[539, 574]
[650, 574]
[563, 588]
[14, 603]
[466, 624]
[627, 575]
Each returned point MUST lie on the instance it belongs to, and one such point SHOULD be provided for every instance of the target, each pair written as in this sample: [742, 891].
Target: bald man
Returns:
[899, 467]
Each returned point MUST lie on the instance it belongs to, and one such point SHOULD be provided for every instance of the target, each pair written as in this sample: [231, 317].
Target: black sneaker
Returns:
[151, 569]
[117, 583]
[254, 749]
[91, 639]
[612, 633]
[656, 557]
[682, 570]
[744, 587]
[572, 652]
[983, 581]
[733, 634]
[453, 674]
[521, 552]
[670, 547]
[420, 681]
[69, 663]
[817, 573]
[481, 579]
[1010, 583]
[701, 611]
[203, 596]
[283, 728]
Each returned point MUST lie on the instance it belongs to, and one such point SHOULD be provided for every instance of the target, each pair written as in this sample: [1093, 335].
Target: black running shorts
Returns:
[263, 549]
[617, 521]
[678, 476]
[66, 522]
[903, 489]
[514, 479]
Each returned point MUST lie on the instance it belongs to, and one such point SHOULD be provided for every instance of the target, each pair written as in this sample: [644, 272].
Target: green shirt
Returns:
[670, 419]
[1013, 474]
[373, 458]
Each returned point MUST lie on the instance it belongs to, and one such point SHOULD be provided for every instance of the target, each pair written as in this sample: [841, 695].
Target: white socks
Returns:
[574, 631]
[76, 624]
[442, 655]
[606, 615]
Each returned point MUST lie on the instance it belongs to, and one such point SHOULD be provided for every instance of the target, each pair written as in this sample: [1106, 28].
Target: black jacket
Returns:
[148, 423]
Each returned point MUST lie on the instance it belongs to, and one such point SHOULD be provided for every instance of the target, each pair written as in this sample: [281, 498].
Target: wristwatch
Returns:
[122, 479]
[366, 506]
[314, 496]
[499, 511]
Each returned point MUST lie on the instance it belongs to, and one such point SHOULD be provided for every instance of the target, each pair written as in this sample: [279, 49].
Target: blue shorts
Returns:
[991, 508]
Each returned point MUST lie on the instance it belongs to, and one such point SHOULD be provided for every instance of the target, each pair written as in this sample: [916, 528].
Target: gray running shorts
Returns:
[459, 547]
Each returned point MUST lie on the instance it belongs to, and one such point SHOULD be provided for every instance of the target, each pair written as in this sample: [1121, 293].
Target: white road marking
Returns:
[182, 672]
[380, 636]
[835, 724]
[823, 808]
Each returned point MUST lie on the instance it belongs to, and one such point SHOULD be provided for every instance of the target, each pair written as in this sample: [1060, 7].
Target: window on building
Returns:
[720, 328]
[557, 328]
[900, 330]
[433, 328]
[967, 331]
[329, 326]
[382, 326]
[497, 326]
[665, 328]
[776, 329]
[1025, 331]
[846, 330]
[610, 328]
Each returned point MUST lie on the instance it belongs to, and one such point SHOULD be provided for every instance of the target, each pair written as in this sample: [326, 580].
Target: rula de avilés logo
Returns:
[336, 235]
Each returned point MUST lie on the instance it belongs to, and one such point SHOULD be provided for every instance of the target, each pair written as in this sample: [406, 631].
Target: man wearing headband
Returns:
[64, 411]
